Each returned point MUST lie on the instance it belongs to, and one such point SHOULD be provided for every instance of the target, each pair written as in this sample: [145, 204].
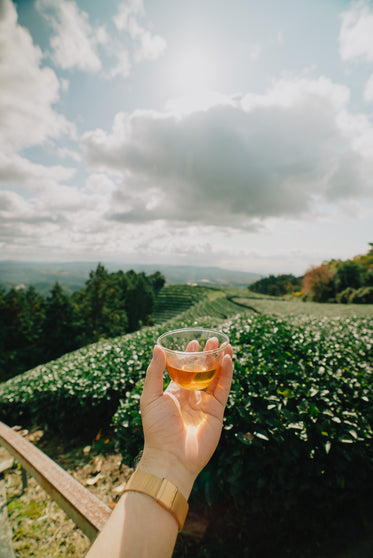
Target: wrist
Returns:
[167, 465]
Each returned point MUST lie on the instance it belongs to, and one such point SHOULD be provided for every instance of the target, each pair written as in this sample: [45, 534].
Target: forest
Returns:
[36, 329]
[349, 281]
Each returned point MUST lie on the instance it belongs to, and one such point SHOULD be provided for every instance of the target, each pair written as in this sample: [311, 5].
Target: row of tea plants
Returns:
[293, 472]
[294, 467]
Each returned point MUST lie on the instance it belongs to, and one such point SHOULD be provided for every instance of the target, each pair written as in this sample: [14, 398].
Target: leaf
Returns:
[93, 480]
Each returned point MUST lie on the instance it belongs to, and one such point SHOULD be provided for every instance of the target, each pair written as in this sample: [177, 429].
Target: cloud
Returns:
[74, 43]
[148, 45]
[64, 152]
[355, 38]
[122, 66]
[27, 90]
[278, 154]
[17, 171]
[368, 91]
[59, 217]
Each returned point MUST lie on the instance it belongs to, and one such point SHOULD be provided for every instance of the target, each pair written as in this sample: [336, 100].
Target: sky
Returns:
[235, 133]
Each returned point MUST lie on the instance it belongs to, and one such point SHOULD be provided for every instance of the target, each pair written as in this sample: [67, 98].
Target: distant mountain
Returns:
[73, 275]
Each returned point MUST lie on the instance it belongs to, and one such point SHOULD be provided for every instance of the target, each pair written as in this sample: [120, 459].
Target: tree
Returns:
[348, 274]
[139, 301]
[157, 281]
[62, 330]
[318, 284]
[102, 304]
[35, 330]
[277, 285]
[21, 318]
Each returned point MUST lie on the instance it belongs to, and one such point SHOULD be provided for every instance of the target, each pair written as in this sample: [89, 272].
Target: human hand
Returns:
[182, 427]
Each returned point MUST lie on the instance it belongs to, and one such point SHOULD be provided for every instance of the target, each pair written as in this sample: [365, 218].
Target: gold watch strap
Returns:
[163, 491]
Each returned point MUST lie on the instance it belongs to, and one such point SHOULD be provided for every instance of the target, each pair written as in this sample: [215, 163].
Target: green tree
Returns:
[21, 319]
[139, 301]
[348, 274]
[277, 285]
[91, 303]
[102, 304]
[157, 281]
[62, 330]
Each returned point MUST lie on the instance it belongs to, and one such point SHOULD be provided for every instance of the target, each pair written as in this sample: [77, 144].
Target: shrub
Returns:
[362, 296]
[344, 296]
[296, 450]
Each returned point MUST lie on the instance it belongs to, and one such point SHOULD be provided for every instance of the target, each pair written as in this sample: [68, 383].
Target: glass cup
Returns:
[193, 355]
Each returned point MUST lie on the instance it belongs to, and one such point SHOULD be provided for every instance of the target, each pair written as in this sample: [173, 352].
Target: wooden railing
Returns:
[87, 511]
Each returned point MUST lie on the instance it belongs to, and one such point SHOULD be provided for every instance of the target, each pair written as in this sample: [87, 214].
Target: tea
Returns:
[198, 378]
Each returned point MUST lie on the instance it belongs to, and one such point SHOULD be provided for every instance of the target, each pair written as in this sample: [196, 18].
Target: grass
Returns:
[40, 528]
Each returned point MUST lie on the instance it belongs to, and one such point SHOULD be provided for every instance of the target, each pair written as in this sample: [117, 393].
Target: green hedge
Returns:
[296, 450]
[82, 388]
[293, 472]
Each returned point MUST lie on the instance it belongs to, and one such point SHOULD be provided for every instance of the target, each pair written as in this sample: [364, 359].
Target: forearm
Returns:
[139, 527]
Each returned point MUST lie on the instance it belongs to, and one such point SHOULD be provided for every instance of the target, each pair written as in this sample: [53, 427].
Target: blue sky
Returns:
[237, 134]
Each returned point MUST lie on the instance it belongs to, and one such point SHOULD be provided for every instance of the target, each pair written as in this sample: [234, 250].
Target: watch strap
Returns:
[163, 491]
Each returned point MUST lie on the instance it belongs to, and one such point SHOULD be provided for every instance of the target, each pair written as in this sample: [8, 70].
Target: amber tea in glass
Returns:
[193, 355]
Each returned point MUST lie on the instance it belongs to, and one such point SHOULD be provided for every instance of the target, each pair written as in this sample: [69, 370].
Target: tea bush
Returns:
[294, 466]
[296, 449]
[83, 389]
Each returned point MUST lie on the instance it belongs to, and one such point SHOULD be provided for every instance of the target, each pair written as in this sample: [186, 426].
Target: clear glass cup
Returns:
[193, 355]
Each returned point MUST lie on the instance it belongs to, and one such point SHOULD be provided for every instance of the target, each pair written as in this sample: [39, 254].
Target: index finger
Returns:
[222, 384]
[153, 385]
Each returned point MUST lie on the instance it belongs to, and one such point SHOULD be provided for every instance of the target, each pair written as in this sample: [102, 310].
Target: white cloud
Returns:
[59, 218]
[368, 91]
[74, 42]
[278, 154]
[122, 66]
[27, 90]
[148, 45]
[65, 153]
[17, 171]
[355, 39]
[126, 11]
[100, 183]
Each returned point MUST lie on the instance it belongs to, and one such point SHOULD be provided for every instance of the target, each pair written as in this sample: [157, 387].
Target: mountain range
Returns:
[73, 275]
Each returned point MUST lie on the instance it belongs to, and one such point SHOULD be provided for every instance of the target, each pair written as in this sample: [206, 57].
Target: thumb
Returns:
[153, 385]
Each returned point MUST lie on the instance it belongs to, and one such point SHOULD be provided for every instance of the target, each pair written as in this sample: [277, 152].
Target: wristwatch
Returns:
[162, 491]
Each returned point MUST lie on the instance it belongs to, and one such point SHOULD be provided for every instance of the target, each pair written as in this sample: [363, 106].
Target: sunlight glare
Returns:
[192, 80]
[194, 70]
[192, 438]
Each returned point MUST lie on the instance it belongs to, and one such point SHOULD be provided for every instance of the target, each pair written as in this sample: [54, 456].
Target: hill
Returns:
[297, 430]
[73, 275]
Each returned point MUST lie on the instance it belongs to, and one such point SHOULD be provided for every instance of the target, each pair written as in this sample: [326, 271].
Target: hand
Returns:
[181, 427]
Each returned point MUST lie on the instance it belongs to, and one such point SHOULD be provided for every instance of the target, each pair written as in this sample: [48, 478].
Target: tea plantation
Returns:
[293, 473]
